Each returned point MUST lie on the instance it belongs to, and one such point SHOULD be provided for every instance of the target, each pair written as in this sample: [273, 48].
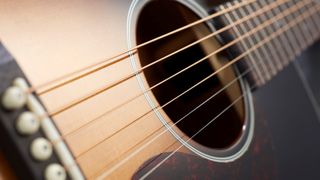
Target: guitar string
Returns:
[58, 140]
[278, 32]
[183, 144]
[101, 90]
[131, 99]
[64, 136]
[276, 43]
[193, 110]
[68, 78]
[309, 40]
[148, 113]
[258, 74]
[172, 153]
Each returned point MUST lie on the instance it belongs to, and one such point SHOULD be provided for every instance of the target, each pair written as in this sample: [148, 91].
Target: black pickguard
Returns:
[286, 141]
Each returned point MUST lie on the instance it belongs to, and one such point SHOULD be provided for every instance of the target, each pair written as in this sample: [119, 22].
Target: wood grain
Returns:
[51, 39]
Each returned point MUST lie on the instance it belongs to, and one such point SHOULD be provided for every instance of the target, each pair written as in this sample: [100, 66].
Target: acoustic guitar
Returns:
[160, 89]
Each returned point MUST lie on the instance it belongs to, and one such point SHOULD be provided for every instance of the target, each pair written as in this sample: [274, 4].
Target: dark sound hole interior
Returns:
[160, 17]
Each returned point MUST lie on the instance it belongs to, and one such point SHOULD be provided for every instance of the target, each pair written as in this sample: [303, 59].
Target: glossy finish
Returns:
[285, 144]
[51, 39]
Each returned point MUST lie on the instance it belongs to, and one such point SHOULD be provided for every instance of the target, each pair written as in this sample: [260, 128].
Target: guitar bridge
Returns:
[31, 140]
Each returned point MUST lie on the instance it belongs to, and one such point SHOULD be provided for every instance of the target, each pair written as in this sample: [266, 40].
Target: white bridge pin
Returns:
[55, 172]
[27, 123]
[41, 149]
[14, 98]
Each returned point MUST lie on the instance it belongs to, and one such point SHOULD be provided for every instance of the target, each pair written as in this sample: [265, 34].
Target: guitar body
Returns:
[285, 103]
[283, 147]
[111, 135]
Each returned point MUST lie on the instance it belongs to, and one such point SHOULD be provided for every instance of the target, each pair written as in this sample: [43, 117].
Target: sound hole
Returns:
[160, 17]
